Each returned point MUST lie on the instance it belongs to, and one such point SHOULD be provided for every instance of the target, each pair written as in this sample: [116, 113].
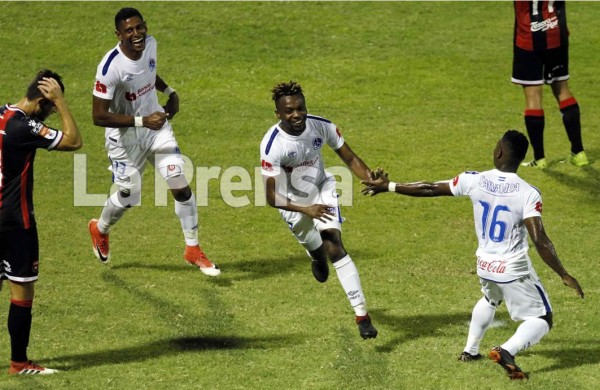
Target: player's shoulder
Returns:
[317, 119]
[109, 61]
[271, 137]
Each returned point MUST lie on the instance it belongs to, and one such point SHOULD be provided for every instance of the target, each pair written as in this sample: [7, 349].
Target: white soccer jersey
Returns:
[501, 202]
[130, 85]
[299, 158]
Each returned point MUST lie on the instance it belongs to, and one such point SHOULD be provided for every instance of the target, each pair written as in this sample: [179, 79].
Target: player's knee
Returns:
[548, 319]
[182, 194]
[128, 198]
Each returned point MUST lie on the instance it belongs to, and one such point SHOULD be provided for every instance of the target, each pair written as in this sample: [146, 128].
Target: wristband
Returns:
[168, 91]
[138, 121]
[392, 187]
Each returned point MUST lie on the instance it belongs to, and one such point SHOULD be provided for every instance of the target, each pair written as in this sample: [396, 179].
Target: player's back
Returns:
[501, 202]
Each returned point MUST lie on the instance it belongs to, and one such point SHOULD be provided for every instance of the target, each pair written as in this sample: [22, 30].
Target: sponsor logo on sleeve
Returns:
[267, 166]
[538, 207]
[42, 130]
[99, 87]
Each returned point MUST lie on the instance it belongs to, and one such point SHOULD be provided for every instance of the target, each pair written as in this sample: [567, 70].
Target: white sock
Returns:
[481, 319]
[188, 216]
[348, 277]
[529, 333]
[112, 212]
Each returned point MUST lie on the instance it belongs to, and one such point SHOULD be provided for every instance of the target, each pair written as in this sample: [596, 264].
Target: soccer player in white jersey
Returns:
[138, 131]
[506, 209]
[297, 184]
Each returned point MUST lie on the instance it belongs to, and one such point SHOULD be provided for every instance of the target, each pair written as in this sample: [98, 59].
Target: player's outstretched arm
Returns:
[546, 250]
[379, 182]
[355, 163]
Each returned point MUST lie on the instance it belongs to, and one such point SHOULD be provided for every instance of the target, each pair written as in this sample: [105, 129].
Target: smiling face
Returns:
[291, 110]
[132, 34]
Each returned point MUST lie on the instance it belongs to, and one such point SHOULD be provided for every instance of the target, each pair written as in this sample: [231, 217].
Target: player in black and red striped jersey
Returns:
[22, 132]
[541, 55]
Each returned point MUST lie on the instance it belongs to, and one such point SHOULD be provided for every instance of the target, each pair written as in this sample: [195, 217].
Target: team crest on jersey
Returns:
[292, 154]
[129, 77]
[317, 143]
[152, 64]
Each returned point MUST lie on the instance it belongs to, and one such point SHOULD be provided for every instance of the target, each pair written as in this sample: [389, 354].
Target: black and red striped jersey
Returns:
[20, 136]
[540, 25]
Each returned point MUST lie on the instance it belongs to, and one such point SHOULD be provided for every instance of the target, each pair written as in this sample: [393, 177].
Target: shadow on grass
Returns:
[412, 327]
[239, 270]
[577, 353]
[168, 347]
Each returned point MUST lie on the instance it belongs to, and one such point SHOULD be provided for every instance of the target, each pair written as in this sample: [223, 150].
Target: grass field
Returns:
[420, 88]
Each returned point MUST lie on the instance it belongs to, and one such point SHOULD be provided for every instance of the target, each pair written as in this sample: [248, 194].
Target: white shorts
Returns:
[128, 162]
[307, 230]
[524, 297]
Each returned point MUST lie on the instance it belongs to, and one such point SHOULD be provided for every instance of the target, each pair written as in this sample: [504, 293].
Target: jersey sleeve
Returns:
[333, 136]
[270, 158]
[36, 135]
[462, 184]
[533, 204]
[107, 77]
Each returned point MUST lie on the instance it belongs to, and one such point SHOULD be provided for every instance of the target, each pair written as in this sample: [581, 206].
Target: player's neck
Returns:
[132, 55]
[26, 105]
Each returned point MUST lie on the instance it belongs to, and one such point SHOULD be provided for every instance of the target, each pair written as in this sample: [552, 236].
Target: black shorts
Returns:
[539, 67]
[19, 253]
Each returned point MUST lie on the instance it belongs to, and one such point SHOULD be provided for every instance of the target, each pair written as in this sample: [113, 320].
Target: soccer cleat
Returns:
[194, 256]
[320, 270]
[507, 361]
[539, 164]
[99, 242]
[467, 357]
[29, 368]
[365, 327]
[580, 159]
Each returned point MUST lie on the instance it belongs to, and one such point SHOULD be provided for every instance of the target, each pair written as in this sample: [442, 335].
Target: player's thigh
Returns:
[303, 228]
[556, 64]
[492, 292]
[168, 161]
[329, 196]
[527, 68]
[127, 166]
[20, 255]
[526, 297]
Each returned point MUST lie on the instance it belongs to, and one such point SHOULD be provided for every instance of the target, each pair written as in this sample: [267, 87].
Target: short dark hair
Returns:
[290, 88]
[33, 91]
[518, 144]
[126, 13]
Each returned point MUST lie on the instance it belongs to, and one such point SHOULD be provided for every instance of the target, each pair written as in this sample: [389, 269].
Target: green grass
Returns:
[420, 88]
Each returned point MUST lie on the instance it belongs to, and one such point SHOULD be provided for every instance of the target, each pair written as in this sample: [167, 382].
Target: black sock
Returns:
[571, 119]
[19, 328]
[534, 122]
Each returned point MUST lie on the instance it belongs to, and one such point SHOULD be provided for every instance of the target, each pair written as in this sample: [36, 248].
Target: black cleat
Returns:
[467, 357]
[365, 327]
[320, 270]
[507, 361]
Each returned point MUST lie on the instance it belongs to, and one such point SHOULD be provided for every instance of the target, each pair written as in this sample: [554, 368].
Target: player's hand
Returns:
[570, 281]
[172, 106]
[321, 212]
[377, 183]
[50, 88]
[155, 121]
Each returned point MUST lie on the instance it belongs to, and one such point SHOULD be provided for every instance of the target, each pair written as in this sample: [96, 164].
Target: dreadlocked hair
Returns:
[290, 88]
